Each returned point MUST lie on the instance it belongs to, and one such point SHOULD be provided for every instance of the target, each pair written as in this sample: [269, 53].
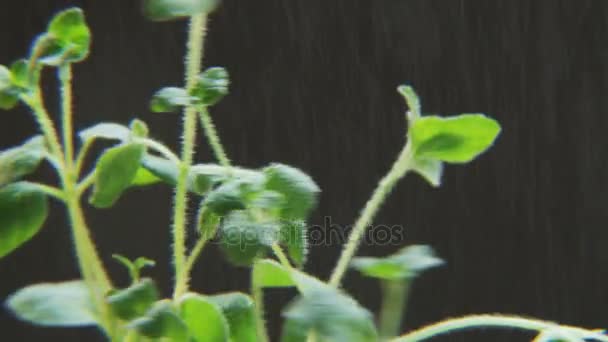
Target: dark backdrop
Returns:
[523, 228]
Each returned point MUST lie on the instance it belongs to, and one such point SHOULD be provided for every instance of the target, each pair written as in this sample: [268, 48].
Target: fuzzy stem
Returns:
[398, 170]
[492, 321]
[65, 77]
[394, 297]
[46, 127]
[193, 67]
[213, 138]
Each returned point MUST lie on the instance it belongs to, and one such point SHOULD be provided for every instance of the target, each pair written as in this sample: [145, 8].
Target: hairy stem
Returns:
[65, 78]
[193, 67]
[258, 299]
[398, 170]
[394, 296]
[213, 138]
[46, 127]
[493, 321]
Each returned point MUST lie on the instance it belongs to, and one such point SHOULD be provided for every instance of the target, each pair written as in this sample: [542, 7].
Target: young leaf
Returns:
[134, 267]
[68, 39]
[299, 189]
[160, 10]
[412, 100]
[227, 197]
[243, 239]
[20, 74]
[116, 169]
[161, 321]
[407, 263]
[66, 304]
[105, 130]
[331, 315]
[293, 236]
[204, 318]
[211, 86]
[239, 311]
[457, 139]
[8, 96]
[143, 177]
[429, 169]
[22, 160]
[134, 301]
[23, 210]
[169, 99]
[269, 273]
[139, 129]
[207, 221]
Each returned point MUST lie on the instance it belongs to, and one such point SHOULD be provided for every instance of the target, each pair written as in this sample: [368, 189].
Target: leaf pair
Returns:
[407, 263]
[434, 139]
[322, 310]
[210, 87]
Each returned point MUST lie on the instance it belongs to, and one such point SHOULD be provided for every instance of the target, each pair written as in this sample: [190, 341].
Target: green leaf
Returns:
[162, 168]
[457, 139]
[20, 161]
[429, 169]
[269, 273]
[134, 267]
[23, 210]
[161, 321]
[412, 100]
[143, 177]
[207, 222]
[227, 197]
[105, 130]
[8, 96]
[160, 10]
[169, 99]
[116, 169]
[243, 239]
[71, 36]
[20, 74]
[134, 301]
[65, 304]
[139, 129]
[407, 263]
[299, 189]
[204, 318]
[293, 236]
[211, 86]
[331, 315]
[239, 311]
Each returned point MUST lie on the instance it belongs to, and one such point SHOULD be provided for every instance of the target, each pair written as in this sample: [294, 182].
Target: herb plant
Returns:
[256, 214]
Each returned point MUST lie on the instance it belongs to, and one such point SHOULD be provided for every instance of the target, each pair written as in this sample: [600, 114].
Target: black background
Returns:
[523, 228]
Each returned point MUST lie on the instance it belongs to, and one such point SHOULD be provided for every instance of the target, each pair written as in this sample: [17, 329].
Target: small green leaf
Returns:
[160, 10]
[8, 96]
[23, 210]
[239, 311]
[20, 161]
[161, 321]
[20, 74]
[457, 139]
[143, 177]
[66, 304]
[139, 129]
[243, 239]
[134, 267]
[207, 222]
[211, 86]
[204, 318]
[134, 301]
[169, 99]
[226, 198]
[269, 273]
[299, 189]
[412, 100]
[407, 263]
[72, 37]
[293, 236]
[331, 315]
[116, 169]
[429, 169]
[162, 168]
[105, 130]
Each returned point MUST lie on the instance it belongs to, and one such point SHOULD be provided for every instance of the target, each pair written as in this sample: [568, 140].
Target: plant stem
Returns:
[193, 66]
[46, 127]
[51, 191]
[65, 77]
[492, 321]
[278, 251]
[394, 297]
[213, 138]
[82, 155]
[160, 148]
[258, 299]
[398, 170]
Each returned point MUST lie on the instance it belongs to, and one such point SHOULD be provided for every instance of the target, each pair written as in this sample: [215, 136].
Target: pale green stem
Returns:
[394, 297]
[278, 251]
[65, 77]
[51, 191]
[258, 298]
[82, 155]
[86, 182]
[160, 148]
[213, 138]
[193, 67]
[493, 321]
[399, 169]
